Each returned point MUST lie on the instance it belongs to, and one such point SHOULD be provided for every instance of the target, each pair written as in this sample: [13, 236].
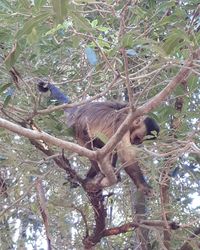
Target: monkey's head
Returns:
[144, 126]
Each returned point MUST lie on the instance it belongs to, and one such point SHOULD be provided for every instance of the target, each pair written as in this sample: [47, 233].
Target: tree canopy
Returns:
[145, 53]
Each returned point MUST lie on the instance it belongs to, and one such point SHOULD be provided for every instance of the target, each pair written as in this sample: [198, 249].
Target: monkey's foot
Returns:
[146, 190]
[94, 185]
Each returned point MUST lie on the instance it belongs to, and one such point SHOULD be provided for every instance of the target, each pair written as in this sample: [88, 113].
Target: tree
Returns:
[143, 52]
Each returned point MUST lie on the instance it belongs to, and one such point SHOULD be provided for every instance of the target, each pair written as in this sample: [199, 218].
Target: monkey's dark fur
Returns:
[96, 120]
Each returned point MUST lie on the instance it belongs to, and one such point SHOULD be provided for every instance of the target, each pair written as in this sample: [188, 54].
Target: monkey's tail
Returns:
[55, 92]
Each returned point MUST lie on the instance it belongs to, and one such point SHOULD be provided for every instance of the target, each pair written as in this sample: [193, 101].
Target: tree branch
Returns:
[132, 225]
[188, 244]
[43, 210]
[37, 135]
[101, 153]
[150, 105]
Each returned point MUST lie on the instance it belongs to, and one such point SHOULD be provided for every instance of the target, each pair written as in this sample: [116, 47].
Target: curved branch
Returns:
[36, 135]
[187, 244]
[135, 224]
[150, 105]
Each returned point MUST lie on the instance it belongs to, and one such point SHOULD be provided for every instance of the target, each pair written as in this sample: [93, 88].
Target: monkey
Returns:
[93, 120]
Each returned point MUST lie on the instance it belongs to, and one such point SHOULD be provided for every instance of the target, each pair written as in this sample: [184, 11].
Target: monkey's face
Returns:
[137, 136]
[142, 127]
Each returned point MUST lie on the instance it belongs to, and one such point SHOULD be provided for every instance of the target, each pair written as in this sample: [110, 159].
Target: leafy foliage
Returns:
[78, 45]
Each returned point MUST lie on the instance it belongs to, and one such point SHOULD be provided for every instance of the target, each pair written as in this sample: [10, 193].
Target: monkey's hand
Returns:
[146, 189]
[94, 185]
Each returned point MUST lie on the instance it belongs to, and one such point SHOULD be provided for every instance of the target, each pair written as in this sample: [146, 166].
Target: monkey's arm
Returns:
[127, 155]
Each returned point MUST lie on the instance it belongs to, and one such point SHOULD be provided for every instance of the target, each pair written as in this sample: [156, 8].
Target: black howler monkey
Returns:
[94, 120]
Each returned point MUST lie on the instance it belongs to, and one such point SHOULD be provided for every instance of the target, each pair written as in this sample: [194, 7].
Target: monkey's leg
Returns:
[127, 155]
[96, 178]
[94, 169]
[135, 173]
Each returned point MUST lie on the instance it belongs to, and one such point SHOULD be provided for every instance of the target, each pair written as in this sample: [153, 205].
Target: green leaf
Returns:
[4, 4]
[39, 3]
[165, 113]
[4, 87]
[64, 27]
[179, 90]
[139, 12]
[175, 41]
[12, 56]
[70, 132]
[25, 4]
[193, 83]
[128, 40]
[29, 25]
[60, 10]
[94, 23]
[7, 100]
[33, 36]
[103, 43]
[80, 22]
[86, 1]
[168, 20]
[5, 35]
[159, 50]
[152, 3]
[76, 41]
[102, 28]
[166, 5]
